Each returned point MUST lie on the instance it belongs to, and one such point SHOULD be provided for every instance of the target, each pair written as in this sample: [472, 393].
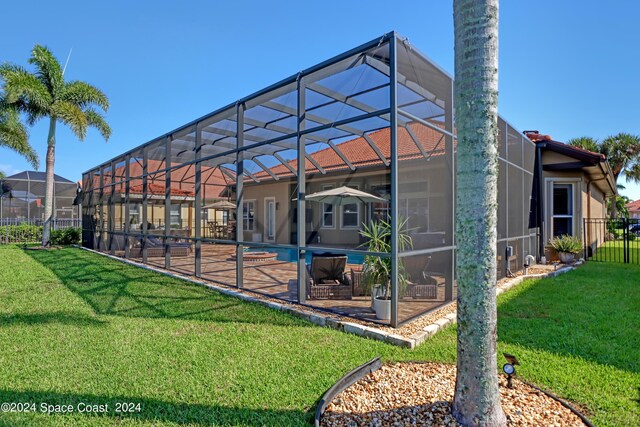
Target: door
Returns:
[270, 219]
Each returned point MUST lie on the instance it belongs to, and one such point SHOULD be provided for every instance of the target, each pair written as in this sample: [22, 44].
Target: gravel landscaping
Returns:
[419, 394]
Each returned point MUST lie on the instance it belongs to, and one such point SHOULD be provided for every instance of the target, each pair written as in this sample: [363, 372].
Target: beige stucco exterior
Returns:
[589, 189]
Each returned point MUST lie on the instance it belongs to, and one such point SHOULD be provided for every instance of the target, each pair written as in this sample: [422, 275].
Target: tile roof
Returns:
[359, 152]
[633, 206]
[159, 189]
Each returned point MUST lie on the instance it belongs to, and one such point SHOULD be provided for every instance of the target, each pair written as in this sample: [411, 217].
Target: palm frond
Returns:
[14, 135]
[72, 116]
[22, 88]
[48, 69]
[586, 143]
[96, 120]
[84, 95]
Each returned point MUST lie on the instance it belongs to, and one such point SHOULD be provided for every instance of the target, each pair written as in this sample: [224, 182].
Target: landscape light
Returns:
[509, 368]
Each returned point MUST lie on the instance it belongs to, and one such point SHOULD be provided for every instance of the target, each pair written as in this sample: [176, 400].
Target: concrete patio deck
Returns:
[278, 279]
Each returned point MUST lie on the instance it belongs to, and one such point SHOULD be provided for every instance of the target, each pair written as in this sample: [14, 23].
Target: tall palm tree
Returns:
[45, 94]
[477, 397]
[13, 134]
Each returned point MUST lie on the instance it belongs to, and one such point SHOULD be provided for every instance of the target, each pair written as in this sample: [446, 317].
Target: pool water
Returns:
[290, 255]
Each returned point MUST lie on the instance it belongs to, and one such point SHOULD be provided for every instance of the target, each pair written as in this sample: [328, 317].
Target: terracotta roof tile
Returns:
[359, 152]
[633, 206]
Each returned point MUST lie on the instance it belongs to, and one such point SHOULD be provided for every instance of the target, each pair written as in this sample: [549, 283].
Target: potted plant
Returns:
[567, 247]
[376, 270]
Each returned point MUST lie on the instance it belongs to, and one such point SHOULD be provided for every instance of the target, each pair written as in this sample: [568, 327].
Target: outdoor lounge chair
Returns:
[327, 279]
[155, 248]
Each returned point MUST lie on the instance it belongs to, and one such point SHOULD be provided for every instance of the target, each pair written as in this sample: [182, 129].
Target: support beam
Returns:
[167, 205]
[393, 137]
[285, 163]
[145, 203]
[197, 205]
[265, 168]
[127, 214]
[240, 196]
[302, 221]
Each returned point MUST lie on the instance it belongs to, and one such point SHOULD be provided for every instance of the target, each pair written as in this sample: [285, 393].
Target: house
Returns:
[378, 118]
[634, 209]
[575, 184]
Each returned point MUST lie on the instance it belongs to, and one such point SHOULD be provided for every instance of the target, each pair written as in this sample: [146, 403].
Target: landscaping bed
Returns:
[421, 393]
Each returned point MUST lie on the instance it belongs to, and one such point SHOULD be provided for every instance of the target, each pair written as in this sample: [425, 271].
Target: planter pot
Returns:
[376, 290]
[382, 307]
[566, 257]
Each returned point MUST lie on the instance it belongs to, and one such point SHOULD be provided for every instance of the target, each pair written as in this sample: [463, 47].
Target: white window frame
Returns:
[267, 238]
[245, 220]
[173, 214]
[358, 212]
[576, 193]
[333, 210]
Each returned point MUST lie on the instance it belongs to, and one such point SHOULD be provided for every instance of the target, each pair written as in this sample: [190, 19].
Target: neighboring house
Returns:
[22, 197]
[575, 184]
[634, 209]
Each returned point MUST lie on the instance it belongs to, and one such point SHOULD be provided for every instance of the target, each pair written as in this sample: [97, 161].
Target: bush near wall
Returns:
[23, 233]
[67, 236]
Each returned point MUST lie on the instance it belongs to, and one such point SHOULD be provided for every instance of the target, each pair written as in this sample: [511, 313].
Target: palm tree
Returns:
[46, 94]
[623, 154]
[585, 142]
[622, 151]
[477, 397]
[14, 135]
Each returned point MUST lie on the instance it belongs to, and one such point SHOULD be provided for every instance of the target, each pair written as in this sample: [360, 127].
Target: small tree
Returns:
[46, 94]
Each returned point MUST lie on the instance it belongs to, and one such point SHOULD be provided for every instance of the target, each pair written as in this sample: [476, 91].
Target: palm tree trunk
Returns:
[477, 398]
[50, 182]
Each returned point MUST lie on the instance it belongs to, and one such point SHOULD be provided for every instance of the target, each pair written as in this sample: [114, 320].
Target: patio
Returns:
[278, 279]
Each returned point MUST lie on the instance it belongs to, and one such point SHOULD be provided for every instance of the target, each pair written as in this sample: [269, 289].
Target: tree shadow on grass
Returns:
[152, 411]
[579, 313]
[118, 289]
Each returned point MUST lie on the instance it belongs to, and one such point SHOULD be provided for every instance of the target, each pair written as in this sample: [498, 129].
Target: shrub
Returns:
[67, 236]
[566, 243]
[22, 233]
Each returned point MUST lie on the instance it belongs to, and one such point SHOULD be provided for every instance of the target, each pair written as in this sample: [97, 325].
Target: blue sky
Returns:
[566, 68]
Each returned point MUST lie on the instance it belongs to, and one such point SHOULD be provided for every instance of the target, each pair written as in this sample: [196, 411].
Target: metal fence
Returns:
[612, 240]
[13, 230]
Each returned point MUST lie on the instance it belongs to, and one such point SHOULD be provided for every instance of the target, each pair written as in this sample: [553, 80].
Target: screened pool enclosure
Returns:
[275, 192]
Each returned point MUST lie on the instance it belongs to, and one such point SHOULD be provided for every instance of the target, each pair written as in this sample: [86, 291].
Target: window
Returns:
[176, 213]
[351, 213]
[248, 213]
[327, 211]
[134, 215]
[562, 222]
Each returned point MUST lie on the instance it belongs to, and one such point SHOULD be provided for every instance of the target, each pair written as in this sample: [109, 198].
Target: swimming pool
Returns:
[290, 255]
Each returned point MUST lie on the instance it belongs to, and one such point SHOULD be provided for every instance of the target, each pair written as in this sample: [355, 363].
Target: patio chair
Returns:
[422, 284]
[155, 248]
[327, 279]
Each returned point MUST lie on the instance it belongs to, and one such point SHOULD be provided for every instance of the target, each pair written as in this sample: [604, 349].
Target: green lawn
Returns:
[613, 251]
[76, 327]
